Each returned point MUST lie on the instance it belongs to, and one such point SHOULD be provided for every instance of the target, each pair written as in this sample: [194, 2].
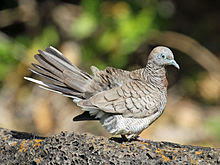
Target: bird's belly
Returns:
[119, 125]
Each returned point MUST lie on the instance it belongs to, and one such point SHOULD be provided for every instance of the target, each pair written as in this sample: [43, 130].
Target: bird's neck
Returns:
[156, 74]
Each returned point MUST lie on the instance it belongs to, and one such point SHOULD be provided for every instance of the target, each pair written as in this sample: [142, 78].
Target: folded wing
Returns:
[132, 99]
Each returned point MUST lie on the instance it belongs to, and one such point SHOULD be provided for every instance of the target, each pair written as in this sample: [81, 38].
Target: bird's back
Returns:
[131, 94]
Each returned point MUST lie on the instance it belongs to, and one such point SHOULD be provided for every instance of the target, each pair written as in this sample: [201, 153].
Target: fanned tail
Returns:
[64, 77]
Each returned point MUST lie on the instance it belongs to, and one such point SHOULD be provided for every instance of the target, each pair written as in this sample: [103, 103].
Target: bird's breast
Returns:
[165, 81]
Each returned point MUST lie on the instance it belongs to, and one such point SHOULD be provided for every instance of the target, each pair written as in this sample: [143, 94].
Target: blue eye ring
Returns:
[163, 56]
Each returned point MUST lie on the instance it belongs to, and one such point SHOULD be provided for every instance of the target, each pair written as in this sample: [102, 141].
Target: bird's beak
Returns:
[174, 63]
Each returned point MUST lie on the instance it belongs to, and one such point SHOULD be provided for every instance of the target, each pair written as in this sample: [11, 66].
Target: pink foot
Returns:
[138, 138]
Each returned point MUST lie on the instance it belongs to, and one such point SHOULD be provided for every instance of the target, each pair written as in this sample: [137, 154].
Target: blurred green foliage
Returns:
[13, 51]
[49, 36]
[113, 30]
[8, 57]
[213, 126]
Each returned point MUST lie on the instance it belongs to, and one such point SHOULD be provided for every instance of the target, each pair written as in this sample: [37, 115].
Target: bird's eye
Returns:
[163, 56]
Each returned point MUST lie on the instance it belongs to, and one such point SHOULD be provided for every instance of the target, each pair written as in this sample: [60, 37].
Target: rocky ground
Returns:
[71, 148]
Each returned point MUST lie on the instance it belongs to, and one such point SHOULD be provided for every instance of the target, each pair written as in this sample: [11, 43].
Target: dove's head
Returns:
[162, 56]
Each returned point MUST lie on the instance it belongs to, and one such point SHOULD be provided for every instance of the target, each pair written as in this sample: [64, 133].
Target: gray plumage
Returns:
[125, 102]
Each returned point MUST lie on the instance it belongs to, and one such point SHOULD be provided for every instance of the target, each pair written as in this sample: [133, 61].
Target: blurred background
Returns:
[119, 34]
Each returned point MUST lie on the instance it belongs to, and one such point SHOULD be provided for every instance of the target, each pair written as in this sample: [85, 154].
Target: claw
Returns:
[125, 139]
[133, 138]
[138, 138]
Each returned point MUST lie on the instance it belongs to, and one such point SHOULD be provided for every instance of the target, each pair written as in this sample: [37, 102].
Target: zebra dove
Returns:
[125, 102]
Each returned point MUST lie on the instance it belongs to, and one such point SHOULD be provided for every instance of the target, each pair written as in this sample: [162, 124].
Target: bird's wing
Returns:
[132, 99]
[107, 79]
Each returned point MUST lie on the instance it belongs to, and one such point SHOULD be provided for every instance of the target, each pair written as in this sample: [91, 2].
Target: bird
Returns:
[125, 102]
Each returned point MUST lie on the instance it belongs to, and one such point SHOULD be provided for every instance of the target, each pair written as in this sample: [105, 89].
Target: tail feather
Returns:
[84, 116]
[76, 98]
[43, 71]
[57, 53]
[75, 80]
[64, 77]
[48, 77]
[56, 88]
[61, 64]
[48, 66]
[55, 61]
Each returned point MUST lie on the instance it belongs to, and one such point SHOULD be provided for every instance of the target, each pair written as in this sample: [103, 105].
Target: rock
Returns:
[71, 148]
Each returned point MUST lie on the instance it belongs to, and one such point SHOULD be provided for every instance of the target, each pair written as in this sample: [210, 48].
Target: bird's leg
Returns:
[132, 137]
[138, 138]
